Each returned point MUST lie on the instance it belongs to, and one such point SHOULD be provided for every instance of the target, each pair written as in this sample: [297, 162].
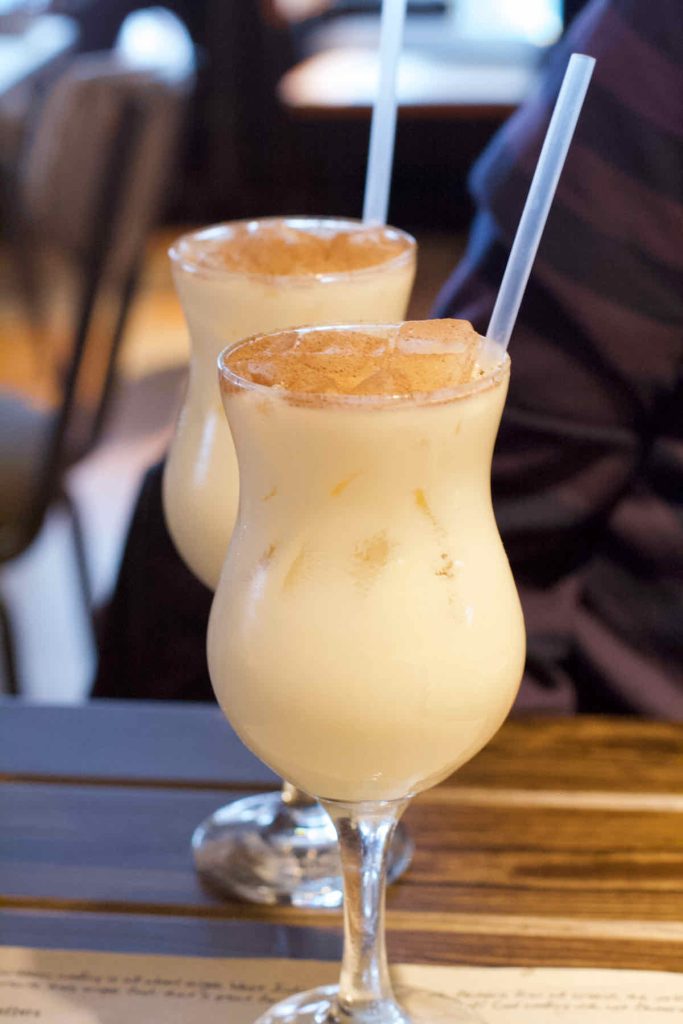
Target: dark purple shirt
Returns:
[588, 473]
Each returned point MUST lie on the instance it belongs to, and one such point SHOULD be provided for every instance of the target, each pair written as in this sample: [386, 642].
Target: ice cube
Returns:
[448, 346]
[386, 381]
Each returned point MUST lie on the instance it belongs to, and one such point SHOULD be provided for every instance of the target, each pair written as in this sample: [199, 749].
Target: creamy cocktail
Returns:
[366, 637]
[235, 280]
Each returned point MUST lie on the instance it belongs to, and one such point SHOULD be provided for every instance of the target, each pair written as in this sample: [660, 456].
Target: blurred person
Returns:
[153, 634]
[588, 473]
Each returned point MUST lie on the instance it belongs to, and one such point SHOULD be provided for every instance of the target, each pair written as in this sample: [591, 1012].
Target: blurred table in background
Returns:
[341, 83]
[561, 843]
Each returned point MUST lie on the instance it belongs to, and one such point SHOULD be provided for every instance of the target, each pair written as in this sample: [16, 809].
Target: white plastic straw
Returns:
[541, 194]
[383, 127]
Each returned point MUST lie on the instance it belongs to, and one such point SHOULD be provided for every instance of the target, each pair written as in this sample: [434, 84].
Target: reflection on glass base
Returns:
[262, 850]
[413, 1006]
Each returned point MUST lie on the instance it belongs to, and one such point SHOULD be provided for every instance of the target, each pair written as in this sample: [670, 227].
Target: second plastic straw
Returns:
[541, 194]
[383, 128]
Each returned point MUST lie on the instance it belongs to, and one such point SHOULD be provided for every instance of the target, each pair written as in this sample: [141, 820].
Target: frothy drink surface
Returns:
[284, 248]
[415, 357]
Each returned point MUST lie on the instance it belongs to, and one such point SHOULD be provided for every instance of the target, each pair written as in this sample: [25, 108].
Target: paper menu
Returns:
[56, 987]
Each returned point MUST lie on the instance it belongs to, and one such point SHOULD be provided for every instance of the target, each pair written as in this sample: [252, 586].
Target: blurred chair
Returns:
[32, 56]
[89, 190]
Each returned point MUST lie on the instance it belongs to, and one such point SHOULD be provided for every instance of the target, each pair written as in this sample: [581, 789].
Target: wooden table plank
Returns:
[132, 742]
[93, 845]
[173, 936]
[520, 950]
[136, 933]
[613, 754]
[128, 849]
[128, 742]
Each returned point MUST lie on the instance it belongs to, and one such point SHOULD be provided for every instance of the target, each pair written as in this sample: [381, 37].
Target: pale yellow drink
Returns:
[235, 280]
[366, 637]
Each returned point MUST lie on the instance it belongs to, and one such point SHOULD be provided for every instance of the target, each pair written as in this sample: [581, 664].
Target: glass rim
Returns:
[487, 381]
[192, 266]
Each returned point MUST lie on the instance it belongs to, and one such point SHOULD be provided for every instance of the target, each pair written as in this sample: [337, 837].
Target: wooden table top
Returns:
[561, 843]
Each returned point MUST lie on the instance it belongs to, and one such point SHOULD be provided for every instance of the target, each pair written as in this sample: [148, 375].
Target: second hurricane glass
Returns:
[235, 280]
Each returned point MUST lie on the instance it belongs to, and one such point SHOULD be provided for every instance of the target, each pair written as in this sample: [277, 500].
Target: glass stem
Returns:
[365, 831]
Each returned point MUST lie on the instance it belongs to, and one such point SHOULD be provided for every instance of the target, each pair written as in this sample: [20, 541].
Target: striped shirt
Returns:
[588, 473]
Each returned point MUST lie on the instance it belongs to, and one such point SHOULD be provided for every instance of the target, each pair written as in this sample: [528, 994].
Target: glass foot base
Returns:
[260, 849]
[413, 1006]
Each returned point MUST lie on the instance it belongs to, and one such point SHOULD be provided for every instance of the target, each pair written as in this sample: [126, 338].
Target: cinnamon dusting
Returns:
[415, 357]
[284, 247]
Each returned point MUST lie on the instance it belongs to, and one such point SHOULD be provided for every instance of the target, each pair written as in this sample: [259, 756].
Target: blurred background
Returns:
[123, 124]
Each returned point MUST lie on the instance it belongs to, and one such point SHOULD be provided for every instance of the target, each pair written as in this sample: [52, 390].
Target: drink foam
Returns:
[290, 247]
[419, 356]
